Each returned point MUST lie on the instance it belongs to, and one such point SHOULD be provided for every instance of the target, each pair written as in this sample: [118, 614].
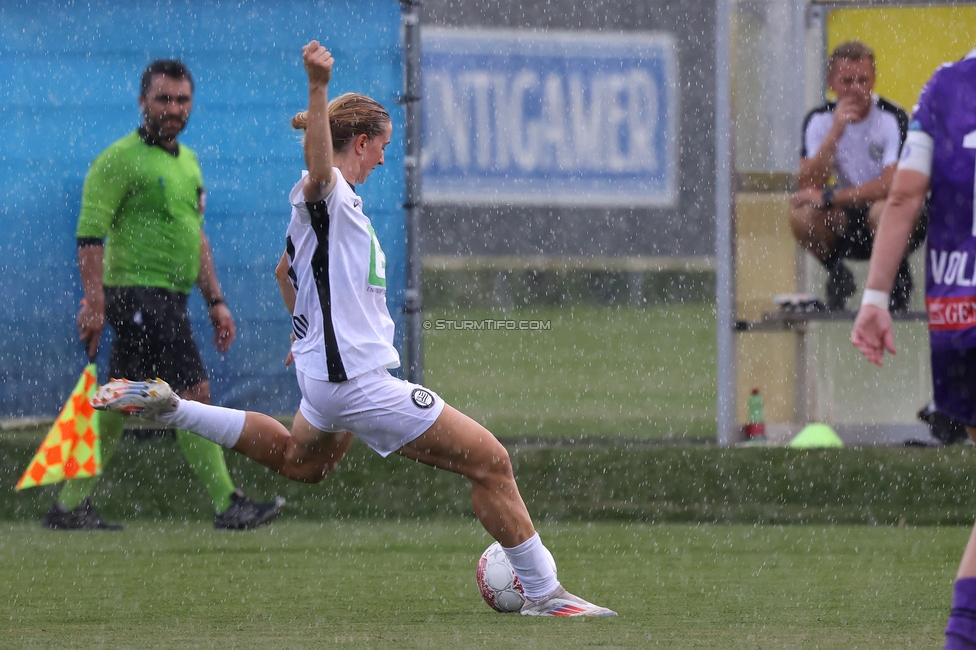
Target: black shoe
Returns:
[244, 514]
[901, 293]
[943, 428]
[840, 287]
[84, 517]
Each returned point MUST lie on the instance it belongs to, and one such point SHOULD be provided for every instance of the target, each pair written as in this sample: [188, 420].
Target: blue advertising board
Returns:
[549, 118]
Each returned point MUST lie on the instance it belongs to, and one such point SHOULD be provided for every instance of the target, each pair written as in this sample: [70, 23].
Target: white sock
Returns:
[531, 564]
[215, 423]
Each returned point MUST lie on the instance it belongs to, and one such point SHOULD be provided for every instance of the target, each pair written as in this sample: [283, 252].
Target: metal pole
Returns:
[725, 271]
[413, 303]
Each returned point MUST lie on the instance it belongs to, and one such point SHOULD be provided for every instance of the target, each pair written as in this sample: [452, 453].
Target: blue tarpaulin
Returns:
[71, 79]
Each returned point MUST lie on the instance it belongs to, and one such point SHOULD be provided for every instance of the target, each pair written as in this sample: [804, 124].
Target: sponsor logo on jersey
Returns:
[947, 314]
[952, 268]
[377, 261]
[422, 398]
[876, 151]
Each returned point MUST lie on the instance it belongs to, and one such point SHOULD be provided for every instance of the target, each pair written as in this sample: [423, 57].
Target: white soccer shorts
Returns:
[384, 412]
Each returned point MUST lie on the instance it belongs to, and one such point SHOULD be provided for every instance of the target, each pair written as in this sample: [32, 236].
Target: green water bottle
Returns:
[756, 424]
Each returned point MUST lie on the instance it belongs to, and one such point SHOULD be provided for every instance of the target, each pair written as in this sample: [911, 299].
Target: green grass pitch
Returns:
[695, 546]
[410, 584]
[597, 371]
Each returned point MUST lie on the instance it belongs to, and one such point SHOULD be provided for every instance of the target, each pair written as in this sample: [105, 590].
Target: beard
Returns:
[166, 128]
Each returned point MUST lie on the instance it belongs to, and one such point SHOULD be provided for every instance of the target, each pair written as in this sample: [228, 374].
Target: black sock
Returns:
[833, 261]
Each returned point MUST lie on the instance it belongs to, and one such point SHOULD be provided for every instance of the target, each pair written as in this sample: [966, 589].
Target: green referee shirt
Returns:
[146, 204]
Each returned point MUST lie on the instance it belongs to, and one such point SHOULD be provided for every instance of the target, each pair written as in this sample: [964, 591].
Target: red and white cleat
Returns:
[562, 603]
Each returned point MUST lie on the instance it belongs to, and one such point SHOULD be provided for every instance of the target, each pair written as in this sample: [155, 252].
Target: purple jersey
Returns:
[946, 112]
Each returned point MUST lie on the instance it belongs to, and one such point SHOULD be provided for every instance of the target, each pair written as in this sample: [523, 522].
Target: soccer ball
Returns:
[499, 585]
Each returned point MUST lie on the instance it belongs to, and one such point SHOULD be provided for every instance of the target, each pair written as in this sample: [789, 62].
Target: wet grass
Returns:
[636, 481]
[578, 371]
[688, 542]
[366, 584]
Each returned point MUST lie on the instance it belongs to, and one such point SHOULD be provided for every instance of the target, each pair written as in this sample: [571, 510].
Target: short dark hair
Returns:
[169, 67]
[852, 51]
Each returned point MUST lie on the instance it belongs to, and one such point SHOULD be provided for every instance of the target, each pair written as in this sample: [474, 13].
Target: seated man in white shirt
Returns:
[850, 150]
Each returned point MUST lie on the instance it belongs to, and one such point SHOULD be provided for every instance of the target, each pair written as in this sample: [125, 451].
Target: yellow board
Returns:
[765, 252]
[909, 43]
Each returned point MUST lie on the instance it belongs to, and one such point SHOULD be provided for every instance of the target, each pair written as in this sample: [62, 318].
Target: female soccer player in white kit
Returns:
[333, 280]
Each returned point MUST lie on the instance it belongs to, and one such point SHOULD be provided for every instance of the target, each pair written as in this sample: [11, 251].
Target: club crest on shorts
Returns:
[422, 398]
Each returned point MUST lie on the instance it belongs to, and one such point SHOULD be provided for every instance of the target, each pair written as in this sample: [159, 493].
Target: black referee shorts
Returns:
[153, 337]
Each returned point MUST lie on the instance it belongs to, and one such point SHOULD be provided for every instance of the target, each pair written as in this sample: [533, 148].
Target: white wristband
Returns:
[875, 298]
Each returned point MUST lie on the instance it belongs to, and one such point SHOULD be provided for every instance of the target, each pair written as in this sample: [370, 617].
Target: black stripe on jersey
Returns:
[899, 113]
[320, 271]
[290, 250]
[826, 108]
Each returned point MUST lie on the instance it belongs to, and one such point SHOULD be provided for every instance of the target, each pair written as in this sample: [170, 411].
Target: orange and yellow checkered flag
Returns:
[71, 448]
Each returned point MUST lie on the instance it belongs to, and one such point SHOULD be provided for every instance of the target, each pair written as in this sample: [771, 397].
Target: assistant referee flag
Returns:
[71, 448]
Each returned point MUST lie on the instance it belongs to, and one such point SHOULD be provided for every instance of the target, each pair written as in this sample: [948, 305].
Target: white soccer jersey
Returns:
[866, 147]
[341, 322]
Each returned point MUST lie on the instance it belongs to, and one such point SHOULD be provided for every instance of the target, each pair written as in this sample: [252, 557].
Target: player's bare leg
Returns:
[816, 229]
[303, 454]
[458, 444]
[454, 442]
